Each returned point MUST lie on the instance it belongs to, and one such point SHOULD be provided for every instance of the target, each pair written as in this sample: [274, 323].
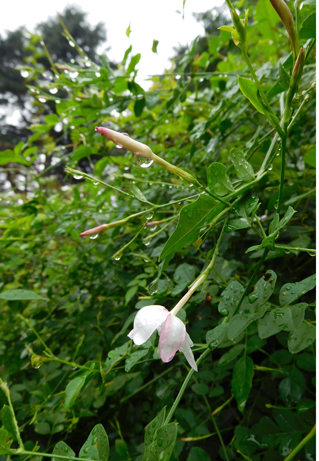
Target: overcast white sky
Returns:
[149, 19]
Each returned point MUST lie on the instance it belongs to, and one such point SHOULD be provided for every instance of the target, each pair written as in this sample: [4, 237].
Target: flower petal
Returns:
[186, 349]
[171, 338]
[146, 321]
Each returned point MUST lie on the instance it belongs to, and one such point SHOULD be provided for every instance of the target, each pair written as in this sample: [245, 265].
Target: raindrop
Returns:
[71, 43]
[73, 74]
[95, 183]
[97, 74]
[153, 287]
[24, 73]
[224, 312]
[53, 90]
[42, 100]
[143, 162]
[146, 242]
[149, 215]
[153, 228]
[117, 256]
[94, 236]
[77, 176]
[57, 101]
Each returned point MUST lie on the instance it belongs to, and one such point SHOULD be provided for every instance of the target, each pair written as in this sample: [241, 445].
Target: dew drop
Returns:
[71, 43]
[146, 242]
[143, 162]
[53, 90]
[42, 100]
[77, 176]
[153, 287]
[95, 183]
[94, 236]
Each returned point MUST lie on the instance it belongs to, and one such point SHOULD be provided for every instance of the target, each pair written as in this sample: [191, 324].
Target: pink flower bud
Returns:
[94, 230]
[286, 17]
[125, 141]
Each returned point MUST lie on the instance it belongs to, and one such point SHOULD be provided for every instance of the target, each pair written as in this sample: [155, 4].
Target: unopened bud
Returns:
[298, 68]
[102, 227]
[239, 30]
[285, 15]
[125, 141]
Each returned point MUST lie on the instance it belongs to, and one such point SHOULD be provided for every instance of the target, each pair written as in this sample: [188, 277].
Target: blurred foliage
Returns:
[65, 353]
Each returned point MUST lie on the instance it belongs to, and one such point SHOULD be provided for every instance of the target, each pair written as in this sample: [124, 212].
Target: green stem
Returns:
[301, 444]
[184, 386]
[27, 321]
[6, 390]
[251, 281]
[202, 277]
[287, 247]
[282, 171]
[48, 455]
[268, 156]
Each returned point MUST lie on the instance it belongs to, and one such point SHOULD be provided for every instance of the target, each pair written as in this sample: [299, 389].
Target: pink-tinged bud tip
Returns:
[125, 141]
[94, 230]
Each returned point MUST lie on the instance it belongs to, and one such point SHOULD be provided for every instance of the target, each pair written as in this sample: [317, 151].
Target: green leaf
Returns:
[292, 291]
[62, 449]
[152, 427]
[51, 119]
[20, 295]
[198, 454]
[131, 292]
[274, 224]
[200, 388]
[135, 88]
[283, 77]
[231, 355]
[137, 192]
[8, 156]
[308, 28]
[134, 61]
[183, 276]
[192, 217]
[242, 381]
[154, 46]
[4, 445]
[239, 322]
[274, 321]
[216, 336]
[249, 89]
[270, 240]
[151, 99]
[243, 169]
[298, 313]
[310, 157]
[236, 224]
[302, 337]
[7, 419]
[217, 179]
[97, 445]
[163, 446]
[134, 358]
[128, 31]
[72, 390]
[230, 298]
[139, 107]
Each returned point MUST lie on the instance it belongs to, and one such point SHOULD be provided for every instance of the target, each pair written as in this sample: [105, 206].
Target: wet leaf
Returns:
[242, 381]
[97, 445]
[292, 291]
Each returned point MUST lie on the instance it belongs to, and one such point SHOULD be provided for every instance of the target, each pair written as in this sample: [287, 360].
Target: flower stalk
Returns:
[142, 150]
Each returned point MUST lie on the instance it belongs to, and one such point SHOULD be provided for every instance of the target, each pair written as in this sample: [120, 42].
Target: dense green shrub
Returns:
[242, 232]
